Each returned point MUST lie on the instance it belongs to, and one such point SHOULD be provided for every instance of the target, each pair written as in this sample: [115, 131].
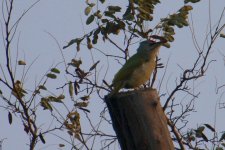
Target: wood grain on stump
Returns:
[139, 121]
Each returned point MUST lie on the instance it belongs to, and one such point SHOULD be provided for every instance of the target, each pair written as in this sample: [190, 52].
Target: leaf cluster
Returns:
[72, 124]
[132, 20]
[196, 137]
[178, 19]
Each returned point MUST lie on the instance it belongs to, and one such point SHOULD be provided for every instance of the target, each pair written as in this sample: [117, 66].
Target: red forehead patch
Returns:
[151, 41]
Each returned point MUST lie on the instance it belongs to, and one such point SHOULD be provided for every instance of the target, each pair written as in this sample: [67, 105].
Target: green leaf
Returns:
[81, 104]
[61, 96]
[105, 20]
[110, 14]
[222, 137]
[129, 17]
[87, 10]
[42, 87]
[210, 127]
[61, 145]
[169, 38]
[204, 137]
[114, 8]
[200, 129]
[186, 8]
[97, 31]
[98, 14]
[95, 39]
[191, 1]
[102, 1]
[75, 63]
[84, 109]
[71, 89]
[52, 76]
[85, 98]
[58, 100]
[89, 44]
[171, 22]
[91, 4]
[179, 25]
[42, 138]
[55, 70]
[21, 62]
[45, 104]
[185, 23]
[199, 132]
[222, 35]
[142, 10]
[94, 66]
[77, 40]
[54, 99]
[0, 92]
[169, 31]
[10, 118]
[167, 45]
[90, 19]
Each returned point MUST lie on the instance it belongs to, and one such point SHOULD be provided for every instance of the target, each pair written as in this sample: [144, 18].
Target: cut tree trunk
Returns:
[139, 121]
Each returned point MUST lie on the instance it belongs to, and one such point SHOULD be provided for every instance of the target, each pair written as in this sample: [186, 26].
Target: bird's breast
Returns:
[140, 75]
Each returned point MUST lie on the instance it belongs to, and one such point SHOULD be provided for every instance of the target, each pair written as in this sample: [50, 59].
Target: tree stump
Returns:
[139, 121]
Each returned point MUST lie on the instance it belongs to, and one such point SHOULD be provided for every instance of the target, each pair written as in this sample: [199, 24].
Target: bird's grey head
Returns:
[148, 45]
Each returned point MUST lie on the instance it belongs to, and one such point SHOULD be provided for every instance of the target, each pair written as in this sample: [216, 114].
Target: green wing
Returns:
[124, 73]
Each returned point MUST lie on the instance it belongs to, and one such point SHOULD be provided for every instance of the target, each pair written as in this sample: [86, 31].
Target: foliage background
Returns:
[66, 20]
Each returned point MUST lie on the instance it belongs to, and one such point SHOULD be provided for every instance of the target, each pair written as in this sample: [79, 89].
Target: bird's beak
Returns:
[157, 44]
[162, 39]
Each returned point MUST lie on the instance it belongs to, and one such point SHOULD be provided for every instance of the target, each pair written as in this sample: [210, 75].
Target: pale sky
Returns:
[63, 19]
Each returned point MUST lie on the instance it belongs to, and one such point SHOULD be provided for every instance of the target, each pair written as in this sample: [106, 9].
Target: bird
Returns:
[138, 68]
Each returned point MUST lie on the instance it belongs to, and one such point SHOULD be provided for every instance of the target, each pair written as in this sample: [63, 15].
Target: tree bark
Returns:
[139, 121]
